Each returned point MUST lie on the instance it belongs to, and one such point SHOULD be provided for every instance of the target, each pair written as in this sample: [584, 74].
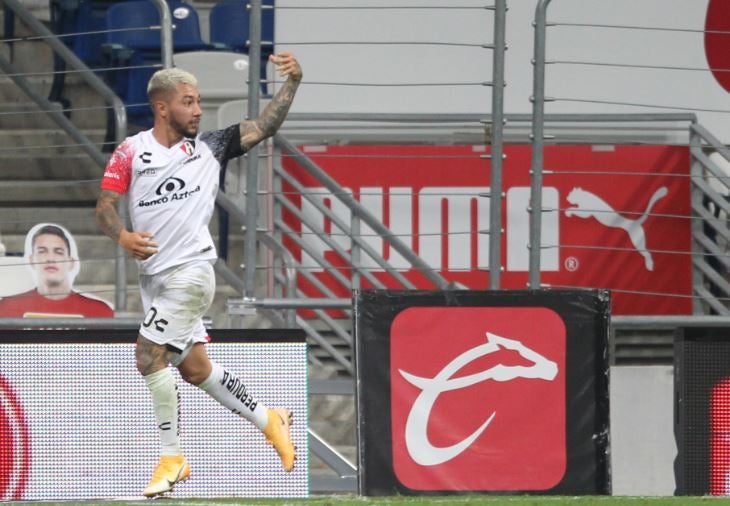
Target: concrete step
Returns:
[25, 114]
[48, 193]
[78, 219]
[28, 55]
[42, 137]
[62, 167]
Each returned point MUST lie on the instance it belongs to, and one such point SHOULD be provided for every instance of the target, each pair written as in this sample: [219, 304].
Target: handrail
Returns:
[120, 119]
[361, 244]
[359, 210]
[120, 113]
[232, 208]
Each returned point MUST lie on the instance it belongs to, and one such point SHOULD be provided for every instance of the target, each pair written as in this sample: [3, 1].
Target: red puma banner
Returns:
[614, 217]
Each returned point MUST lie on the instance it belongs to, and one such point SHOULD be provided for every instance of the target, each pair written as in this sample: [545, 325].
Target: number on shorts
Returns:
[149, 319]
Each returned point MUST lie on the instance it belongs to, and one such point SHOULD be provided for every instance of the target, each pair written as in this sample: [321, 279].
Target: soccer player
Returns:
[53, 259]
[171, 176]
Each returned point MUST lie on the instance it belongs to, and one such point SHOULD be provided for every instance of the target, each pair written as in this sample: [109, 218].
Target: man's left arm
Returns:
[273, 115]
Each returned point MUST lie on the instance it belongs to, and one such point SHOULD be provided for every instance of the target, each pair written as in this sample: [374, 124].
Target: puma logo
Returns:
[590, 205]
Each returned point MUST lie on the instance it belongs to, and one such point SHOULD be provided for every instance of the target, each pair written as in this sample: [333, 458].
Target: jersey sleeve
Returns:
[225, 143]
[118, 171]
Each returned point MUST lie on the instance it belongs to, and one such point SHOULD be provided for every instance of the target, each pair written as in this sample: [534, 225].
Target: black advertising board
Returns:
[702, 410]
[482, 391]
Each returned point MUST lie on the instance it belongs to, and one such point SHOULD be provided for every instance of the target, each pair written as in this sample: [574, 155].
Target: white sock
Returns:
[166, 403]
[228, 389]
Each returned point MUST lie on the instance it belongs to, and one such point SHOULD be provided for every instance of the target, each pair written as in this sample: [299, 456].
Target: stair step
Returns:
[48, 193]
[43, 137]
[61, 167]
[79, 219]
[29, 115]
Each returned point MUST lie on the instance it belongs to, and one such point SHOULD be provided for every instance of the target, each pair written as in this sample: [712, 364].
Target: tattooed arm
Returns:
[137, 244]
[267, 124]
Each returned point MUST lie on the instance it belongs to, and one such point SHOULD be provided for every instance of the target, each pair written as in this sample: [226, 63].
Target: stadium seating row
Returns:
[122, 41]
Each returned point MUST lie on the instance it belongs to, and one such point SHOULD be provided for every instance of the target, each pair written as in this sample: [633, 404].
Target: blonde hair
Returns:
[166, 80]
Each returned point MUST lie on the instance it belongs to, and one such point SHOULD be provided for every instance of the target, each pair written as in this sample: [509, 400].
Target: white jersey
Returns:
[172, 191]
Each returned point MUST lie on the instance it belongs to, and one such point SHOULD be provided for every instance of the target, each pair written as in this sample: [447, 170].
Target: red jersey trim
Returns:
[118, 172]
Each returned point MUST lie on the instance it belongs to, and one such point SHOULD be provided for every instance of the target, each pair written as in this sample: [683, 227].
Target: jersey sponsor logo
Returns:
[188, 147]
[112, 175]
[196, 157]
[483, 398]
[170, 190]
[169, 185]
[147, 172]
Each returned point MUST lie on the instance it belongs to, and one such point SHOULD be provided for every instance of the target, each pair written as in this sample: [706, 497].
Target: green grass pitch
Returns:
[349, 500]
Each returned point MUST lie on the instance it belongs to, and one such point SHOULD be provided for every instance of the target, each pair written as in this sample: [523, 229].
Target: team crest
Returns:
[189, 147]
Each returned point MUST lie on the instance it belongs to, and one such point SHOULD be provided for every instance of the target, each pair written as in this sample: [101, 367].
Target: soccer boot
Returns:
[170, 470]
[278, 436]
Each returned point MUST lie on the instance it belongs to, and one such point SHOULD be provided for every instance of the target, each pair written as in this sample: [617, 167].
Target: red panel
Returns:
[473, 405]
[622, 216]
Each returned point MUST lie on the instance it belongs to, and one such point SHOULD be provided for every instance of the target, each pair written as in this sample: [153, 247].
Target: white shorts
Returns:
[175, 301]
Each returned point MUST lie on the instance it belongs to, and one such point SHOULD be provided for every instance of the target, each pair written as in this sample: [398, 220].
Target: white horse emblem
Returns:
[419, 447]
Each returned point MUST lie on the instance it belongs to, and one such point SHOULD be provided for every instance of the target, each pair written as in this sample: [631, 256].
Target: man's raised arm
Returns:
[273, 115]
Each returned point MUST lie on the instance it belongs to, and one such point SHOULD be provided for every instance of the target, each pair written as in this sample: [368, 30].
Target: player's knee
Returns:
[149, 357]
[194, 377]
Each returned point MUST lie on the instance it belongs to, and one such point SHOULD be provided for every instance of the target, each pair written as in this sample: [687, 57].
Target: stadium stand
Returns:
[229, 28]
[140, 50]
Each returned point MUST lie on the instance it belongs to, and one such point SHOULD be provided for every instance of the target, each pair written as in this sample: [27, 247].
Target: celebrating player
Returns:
[171, 175]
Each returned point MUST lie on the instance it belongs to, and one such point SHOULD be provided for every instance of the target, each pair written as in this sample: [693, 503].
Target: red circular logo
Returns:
[717, 44]
[14, 445]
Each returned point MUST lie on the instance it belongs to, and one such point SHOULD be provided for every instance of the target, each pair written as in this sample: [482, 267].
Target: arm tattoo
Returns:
[268, 123]
[106, 214]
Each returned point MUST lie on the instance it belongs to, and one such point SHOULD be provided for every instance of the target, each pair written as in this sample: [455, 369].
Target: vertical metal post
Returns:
[165, 32]
[538, 128]
[355, 252]
[495, 192]
[252, 161]
[276, 216]
[696, 199]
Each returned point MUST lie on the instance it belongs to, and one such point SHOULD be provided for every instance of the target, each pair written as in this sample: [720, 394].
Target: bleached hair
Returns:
[166, 80]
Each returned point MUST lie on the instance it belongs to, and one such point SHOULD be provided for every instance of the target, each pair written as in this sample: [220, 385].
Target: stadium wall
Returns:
[597, 68]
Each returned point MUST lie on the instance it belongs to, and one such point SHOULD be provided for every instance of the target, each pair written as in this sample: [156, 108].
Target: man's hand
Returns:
[268, 123]
[138, 244]
[287, 65]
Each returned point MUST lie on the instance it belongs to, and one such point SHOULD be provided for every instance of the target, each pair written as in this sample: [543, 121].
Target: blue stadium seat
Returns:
[76, 16]
[229, 27]
[141, 46]
[142, 14]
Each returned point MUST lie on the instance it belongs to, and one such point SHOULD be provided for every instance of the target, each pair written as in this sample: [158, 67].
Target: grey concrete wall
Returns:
[642, 430]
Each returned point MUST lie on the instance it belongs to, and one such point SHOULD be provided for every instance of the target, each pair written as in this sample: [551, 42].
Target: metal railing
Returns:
[120, 114]
[709, 207]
